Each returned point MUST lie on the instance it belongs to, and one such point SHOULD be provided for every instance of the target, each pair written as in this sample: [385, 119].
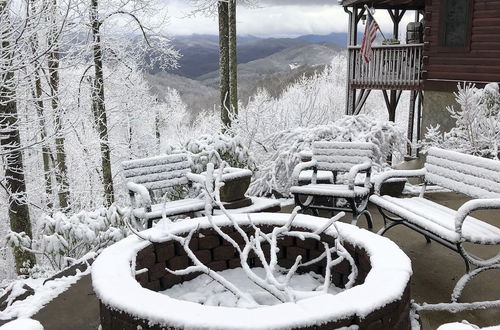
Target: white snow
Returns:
[171, 208]
[438, 219]
[154, 161]
[22, 324]
[471, 175]
[258, 204]
[115, 285]
[464, 325]
[337, 190]
[204, 290]
[321, 176]
[233, 173]
[44, 293]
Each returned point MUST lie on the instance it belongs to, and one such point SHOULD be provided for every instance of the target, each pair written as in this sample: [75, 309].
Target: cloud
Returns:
[273, 18]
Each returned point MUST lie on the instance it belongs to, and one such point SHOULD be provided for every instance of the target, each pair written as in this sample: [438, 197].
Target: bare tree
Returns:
[54, 80]
[224, 60]
[10, 139]
[228, 64]
[233, 61]
[98, 104]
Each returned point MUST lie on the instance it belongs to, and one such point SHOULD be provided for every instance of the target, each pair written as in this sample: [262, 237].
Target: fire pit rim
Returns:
[115, 285]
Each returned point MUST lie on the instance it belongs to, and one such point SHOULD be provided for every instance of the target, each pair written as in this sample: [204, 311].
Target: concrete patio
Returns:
[436, 270]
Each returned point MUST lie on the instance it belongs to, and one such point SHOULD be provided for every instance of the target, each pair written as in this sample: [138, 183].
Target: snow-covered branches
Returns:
[63, 239]
[284, 148]
[213, 148]
[264, 245]
[477, 129]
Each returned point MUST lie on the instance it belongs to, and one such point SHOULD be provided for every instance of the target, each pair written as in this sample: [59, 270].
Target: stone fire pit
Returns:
[128, 275]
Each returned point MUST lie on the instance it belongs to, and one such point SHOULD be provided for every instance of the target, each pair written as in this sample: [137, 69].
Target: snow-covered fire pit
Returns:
[130, 278]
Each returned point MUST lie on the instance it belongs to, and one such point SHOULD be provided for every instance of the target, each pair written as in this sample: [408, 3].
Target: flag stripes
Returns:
[368, 38]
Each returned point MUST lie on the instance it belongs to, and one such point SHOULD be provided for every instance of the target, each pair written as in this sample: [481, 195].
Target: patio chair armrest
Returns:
[139, 189]
[397, 174]
[471, 206]
[302, 167]
[356, 169]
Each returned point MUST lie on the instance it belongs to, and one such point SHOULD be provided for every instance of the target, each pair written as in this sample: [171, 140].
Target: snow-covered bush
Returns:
[208, 148]
[283, 148]
[477, 129]
[61, 239]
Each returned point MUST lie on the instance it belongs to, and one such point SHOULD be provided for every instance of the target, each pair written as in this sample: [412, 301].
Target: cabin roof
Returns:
[386, 4]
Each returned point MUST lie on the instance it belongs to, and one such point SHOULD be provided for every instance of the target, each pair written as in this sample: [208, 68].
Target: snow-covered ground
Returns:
[44, 293]
[22, 324]
[206, 291]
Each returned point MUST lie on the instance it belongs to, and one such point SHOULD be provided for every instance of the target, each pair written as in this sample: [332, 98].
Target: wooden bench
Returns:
[148, 178]
[348, 158]
[473, 176]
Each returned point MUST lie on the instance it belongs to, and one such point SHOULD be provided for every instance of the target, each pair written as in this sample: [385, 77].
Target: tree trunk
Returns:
[233, 61]
[46, 153]
[53, 64]
[99, 106]
[11, 142]
[223, 9]
[39, 105]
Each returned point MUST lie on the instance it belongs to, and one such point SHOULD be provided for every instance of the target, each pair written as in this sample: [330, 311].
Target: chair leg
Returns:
[384, 229]
[368, 217]
[460, 251]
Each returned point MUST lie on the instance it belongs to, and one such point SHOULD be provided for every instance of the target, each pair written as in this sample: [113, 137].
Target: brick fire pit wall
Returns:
[216, 253]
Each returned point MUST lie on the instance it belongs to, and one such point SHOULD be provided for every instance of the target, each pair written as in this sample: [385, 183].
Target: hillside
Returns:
[280, 62]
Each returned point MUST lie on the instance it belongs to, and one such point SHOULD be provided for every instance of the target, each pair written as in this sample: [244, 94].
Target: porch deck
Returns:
[436, 270]
[396, 67]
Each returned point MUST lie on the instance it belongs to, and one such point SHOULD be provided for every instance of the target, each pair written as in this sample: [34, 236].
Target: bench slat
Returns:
[483, 173]
[151, 170]
[470, 175]
[341, 156]
[154, 161]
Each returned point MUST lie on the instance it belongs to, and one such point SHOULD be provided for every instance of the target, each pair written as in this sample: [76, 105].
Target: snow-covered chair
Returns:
[145, 176]
[473, 176]
[347, 158]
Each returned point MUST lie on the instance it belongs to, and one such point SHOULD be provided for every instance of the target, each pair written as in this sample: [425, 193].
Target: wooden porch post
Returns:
[350, 94]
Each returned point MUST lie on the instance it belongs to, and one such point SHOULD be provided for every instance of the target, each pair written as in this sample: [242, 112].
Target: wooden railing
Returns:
[394, 66]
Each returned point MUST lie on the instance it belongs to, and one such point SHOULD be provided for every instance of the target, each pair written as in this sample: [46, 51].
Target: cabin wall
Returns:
[443, 69]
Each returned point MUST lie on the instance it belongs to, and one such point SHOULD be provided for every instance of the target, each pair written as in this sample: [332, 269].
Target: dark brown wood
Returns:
[478, 63]
[386, 4]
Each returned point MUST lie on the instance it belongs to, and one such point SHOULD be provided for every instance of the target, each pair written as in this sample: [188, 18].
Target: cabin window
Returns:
[455, 23]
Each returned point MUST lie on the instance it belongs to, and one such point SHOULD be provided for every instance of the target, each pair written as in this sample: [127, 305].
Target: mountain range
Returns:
[271, 63]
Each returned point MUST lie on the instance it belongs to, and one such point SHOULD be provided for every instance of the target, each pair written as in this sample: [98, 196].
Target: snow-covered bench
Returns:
[349, 158]
[473, 176]
[144, 176]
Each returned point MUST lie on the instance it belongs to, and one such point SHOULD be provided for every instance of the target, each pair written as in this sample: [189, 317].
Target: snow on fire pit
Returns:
[136, 285]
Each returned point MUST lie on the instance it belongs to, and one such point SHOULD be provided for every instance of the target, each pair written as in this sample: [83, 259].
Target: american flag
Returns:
[368, 38]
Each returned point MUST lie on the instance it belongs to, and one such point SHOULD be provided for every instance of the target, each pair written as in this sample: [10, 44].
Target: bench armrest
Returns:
[397, 174]
[302, 167]
[471, 206]
[140, 190]
[198, 178]
[356, 169]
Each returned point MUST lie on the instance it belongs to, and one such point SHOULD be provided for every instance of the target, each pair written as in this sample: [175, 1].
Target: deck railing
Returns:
[394, 66]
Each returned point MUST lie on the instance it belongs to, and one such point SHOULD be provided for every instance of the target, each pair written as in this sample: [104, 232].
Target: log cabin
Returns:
[449, 42]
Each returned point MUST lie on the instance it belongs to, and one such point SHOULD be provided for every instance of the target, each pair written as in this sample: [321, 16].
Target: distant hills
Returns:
[271, 63]
[200, 53]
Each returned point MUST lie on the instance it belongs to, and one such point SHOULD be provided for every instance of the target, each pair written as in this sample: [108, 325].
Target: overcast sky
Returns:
[273, 18]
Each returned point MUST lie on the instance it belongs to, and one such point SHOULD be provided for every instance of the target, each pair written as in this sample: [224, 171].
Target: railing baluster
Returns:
[391, 66]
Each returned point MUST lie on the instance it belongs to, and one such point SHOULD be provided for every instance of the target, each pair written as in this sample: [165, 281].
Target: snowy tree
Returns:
[477, 129]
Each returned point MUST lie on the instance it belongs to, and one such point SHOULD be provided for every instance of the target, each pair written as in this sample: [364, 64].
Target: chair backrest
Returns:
[158, 172]
[341, 156]
[470, 175]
